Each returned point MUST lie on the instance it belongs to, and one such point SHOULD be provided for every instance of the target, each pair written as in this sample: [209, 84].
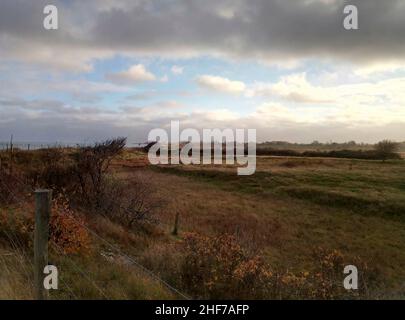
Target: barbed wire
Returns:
[80, 270]
[130, 258]
[68, 288]
[114, 247]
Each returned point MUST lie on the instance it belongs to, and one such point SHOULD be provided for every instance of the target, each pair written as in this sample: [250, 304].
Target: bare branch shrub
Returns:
[91, 166]
[130, 203]
[82, 175]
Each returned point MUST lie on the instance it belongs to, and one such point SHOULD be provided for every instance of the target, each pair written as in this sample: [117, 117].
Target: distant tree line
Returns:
[383, 150]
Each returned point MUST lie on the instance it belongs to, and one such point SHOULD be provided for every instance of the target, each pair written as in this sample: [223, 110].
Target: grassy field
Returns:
[293, 205]
[285, 213]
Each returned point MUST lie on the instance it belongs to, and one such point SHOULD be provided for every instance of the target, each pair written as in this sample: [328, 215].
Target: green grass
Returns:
[365, 190]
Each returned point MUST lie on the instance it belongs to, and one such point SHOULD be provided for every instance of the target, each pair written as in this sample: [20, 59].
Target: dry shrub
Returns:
[67, 230]
[100, 192]
[325, 281]
[328, 278]
[82, 175]
[130, 203]
[6, 188]
[17, 227]
[12, 187]
[91, 167]
[51, 168]
[218, 268]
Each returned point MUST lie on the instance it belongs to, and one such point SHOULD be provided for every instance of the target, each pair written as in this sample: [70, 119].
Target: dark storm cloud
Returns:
[265, 29]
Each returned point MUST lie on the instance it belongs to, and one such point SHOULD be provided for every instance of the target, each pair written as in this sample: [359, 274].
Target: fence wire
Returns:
[85, 274]
[133, 261]
[21, 201]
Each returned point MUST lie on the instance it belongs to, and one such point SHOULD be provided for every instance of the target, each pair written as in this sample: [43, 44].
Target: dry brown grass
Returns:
[287, 210]
[15, 275]
[287, 229]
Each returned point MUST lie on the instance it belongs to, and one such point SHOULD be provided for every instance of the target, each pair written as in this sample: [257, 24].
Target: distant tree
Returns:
[386, 149]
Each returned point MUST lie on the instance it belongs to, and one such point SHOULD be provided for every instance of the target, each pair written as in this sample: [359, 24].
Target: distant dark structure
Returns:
[149, 146]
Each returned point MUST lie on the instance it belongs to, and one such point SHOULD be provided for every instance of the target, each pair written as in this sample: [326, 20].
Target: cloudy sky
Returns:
[122, 67]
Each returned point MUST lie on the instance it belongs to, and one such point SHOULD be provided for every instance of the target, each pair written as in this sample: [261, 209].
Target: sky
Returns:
[287, 68]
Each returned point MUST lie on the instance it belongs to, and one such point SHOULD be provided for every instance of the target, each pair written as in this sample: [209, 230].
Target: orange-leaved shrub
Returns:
[67, 230]
[218, 267]
[325, 280]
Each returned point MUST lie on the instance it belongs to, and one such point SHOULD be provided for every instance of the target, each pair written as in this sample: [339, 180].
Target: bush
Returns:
[91, 166]
[82, 175]
[12, 188]
[218, 268]
[129, 203]
[68, 230]
[48, 168]
[17, 228]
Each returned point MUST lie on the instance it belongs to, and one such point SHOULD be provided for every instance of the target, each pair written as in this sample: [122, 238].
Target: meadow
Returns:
[283, 233]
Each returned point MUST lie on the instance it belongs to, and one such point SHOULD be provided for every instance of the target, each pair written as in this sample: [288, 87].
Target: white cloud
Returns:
[221, 84]
[293, 87]
[379, 68]
[136, 73]
[176, 70]
[216, 115]
[165, 78]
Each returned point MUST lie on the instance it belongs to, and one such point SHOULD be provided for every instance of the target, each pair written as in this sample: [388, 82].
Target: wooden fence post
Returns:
[11, 155]
[175, 231]
[43, 199]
